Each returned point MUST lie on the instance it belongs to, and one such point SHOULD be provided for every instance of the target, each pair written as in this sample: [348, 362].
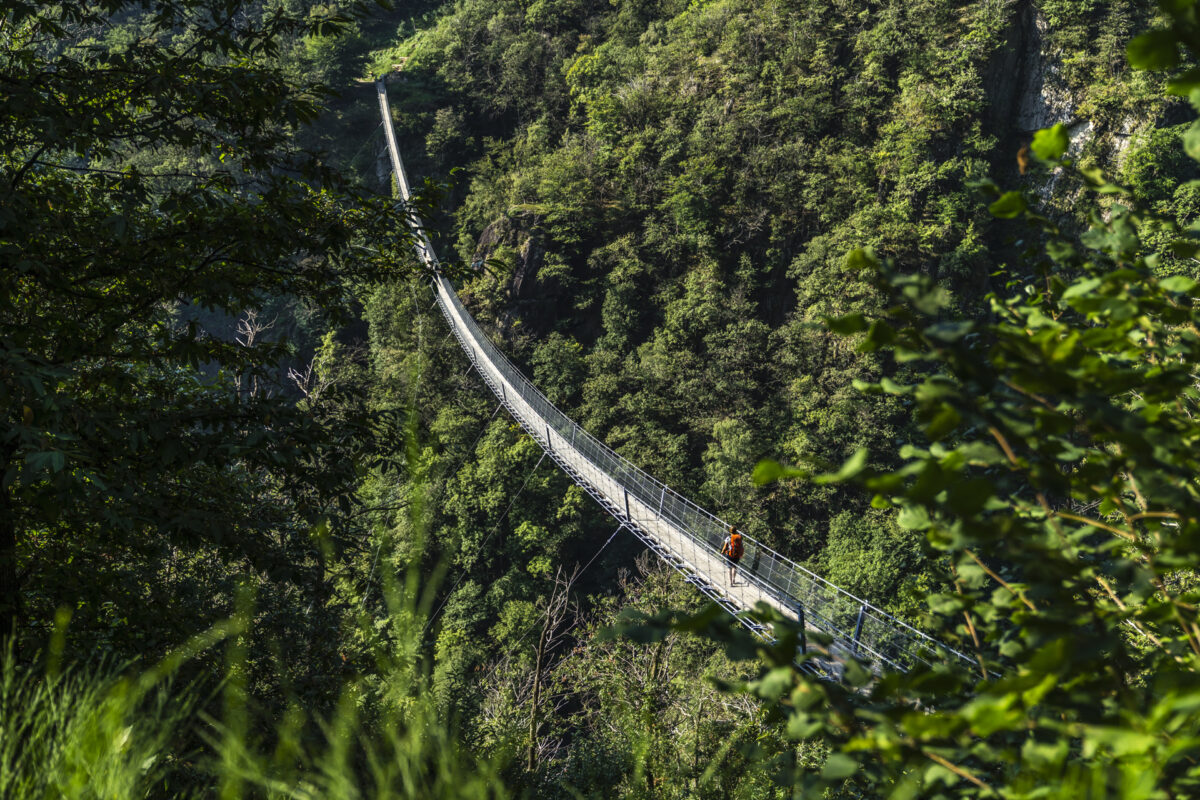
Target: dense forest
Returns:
[905, 290]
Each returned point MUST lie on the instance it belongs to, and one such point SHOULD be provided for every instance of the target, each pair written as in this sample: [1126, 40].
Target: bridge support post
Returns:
[549, 447]
[803, 628]
[862, 612]
[627, 514]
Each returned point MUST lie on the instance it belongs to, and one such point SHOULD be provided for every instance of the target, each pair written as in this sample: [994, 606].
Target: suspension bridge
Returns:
[680, 532]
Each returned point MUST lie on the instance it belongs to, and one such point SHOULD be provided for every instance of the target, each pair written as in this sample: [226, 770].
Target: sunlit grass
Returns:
[116, 731]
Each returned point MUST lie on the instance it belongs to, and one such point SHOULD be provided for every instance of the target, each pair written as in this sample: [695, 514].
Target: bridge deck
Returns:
[698, 559]
[685, 535]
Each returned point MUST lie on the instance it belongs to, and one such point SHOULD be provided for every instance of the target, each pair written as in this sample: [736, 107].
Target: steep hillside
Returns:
[653, 211]
[909, 290]
[658, 200]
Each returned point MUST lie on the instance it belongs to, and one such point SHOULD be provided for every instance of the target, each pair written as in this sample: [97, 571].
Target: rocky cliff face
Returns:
[1025, 86]
[1028, 93]
[515, 240]
[517, 233]
[1041, 98]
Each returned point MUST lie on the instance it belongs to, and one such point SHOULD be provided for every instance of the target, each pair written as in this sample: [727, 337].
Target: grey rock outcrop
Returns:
[1022, 80]
[517, 232]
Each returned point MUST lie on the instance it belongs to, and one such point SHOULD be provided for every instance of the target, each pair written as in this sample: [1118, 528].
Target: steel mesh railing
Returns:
[857, 628]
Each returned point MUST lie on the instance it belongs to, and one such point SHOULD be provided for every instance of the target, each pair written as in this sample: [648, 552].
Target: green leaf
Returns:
[914, 518]
[1183, 85]
[1154, 50]
[50, 460]
[854, 465]
[1060, 250]
[1094, 176]
[1081, 287]
[929, 300]
[1182, 248]
[1010, 205]
[850, 323]
[950, 332]
[946, 421]
[968, 497]
[839, 766]
[803, 726]
[772, 685]
[1191, 140]
[861, 258]
[944, 603]
[768, 471]
[1049, 144]
[985, 186]
[879, 335]
[1178, 283]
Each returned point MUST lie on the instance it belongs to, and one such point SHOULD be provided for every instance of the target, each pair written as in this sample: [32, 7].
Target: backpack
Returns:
[735, 545]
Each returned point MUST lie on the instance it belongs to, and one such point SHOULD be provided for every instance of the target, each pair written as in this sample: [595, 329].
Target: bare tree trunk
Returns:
[536, 704]
[650, 710]
[249, 329]
[696, 746]
[559, 618]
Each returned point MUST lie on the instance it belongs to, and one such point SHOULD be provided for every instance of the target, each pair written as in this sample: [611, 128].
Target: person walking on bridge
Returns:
[732, 548]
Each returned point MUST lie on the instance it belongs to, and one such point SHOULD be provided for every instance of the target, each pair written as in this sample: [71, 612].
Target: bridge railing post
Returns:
[803, 628]
[858, 626]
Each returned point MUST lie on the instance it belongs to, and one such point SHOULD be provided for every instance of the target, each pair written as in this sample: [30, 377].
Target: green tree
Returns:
[558, 368]
[1056, 479]
[129, 430]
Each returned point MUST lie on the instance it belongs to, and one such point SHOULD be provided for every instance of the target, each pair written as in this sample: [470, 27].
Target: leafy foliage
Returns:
[155, 211]
[1057, 480]
[675, 187]
[680, 184]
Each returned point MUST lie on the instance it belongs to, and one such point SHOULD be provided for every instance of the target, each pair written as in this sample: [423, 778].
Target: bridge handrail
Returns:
[685, 514]
[857, 626]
